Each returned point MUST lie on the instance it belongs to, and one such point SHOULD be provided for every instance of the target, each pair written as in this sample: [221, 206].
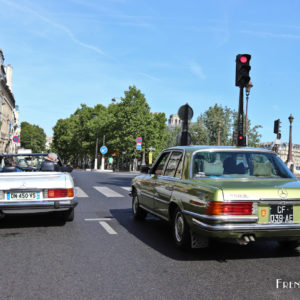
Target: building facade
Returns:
[283, 150]
[174, 121]
[9, 112]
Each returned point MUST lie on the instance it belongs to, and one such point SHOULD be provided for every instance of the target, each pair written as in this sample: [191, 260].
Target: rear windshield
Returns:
[238, 164]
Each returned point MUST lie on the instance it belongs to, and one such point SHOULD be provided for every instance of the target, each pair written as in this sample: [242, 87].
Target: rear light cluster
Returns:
[58, 193]
[234, 208]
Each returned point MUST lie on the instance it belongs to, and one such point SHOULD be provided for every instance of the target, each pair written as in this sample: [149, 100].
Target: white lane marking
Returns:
[80, 193]
[107, 227]
[127, 188]
[107, 191]
[99, 219]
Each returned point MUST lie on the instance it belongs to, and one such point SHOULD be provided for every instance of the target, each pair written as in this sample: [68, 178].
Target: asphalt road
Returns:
[105, 254]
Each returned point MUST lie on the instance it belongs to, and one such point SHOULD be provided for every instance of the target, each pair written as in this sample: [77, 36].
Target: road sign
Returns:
[185, 111]
[16, 139]
[103, 150]
[138, 147]
[139, 140]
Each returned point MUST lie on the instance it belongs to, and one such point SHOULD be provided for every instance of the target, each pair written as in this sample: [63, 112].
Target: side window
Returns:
[158, 169]
[173, 164]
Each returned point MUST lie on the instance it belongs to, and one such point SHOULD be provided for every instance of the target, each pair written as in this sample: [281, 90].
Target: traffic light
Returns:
[277, 126]
[241, 140]
[242, 77]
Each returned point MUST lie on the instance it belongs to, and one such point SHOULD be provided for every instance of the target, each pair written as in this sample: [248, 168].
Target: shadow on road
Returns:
[157, 235]
[31, 220]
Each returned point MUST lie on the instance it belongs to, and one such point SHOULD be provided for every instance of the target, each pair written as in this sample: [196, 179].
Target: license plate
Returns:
[281, 213]
[23, 196]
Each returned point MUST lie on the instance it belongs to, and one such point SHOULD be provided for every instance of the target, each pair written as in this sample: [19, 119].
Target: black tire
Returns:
[180, 230]
[138, 212]
[68, 216]
[289, 245]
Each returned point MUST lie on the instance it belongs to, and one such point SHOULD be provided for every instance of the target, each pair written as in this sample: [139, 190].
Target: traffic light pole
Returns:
[185, 127]
[240, 128]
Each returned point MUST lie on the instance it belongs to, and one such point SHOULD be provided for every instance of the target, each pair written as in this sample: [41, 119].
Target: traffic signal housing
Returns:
[243, 67]
[277, 126]
[241, 140]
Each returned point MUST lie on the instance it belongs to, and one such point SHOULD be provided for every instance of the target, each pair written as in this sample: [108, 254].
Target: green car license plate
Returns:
[281, 213]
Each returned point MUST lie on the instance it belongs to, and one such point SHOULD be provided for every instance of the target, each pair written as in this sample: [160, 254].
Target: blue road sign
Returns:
[103, 150]
[138, 147]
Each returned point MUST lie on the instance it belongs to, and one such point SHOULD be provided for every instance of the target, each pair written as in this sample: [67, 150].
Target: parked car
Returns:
[36, 183]
[236, 194]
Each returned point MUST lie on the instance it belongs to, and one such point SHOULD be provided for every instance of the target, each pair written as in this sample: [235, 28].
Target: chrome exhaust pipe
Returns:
[252, 238]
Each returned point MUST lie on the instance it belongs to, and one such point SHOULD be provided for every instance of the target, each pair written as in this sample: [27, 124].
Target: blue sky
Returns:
[68, 52]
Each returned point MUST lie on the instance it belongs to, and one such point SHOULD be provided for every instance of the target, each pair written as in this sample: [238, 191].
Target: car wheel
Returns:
[289, 244]
[68, 216]
[181, 231]
[138, 212]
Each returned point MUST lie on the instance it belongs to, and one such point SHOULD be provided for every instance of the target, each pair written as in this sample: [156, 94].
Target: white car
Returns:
[29, 183]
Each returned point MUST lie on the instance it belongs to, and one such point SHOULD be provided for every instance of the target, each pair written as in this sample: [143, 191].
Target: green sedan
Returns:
[232, 194]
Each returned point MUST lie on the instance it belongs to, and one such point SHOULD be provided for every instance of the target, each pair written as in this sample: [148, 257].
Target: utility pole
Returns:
[96, 155]
[102, 158]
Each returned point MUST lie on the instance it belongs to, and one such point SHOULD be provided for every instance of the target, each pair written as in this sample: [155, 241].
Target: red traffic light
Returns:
[243, 59]
[240, 137]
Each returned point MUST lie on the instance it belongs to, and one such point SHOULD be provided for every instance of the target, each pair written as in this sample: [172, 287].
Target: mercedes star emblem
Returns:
[282, 193]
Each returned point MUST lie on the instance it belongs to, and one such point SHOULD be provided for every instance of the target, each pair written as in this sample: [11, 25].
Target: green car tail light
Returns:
[230, 208]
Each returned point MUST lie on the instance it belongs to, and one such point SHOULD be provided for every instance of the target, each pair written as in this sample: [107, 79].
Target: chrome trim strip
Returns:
[147, 195]
[38, 204]
[154, 213]
[277, 201]
[160, 200]
[245, 227]
[222, 218]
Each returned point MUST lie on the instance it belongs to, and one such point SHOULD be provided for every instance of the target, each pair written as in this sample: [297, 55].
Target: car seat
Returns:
[47, 166]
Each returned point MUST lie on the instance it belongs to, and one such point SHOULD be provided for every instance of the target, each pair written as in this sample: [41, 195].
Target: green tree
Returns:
[32, 137]
[121, 123]
[132, 118]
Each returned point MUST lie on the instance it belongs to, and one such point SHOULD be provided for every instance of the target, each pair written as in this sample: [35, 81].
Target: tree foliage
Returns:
[120, 123]
[205, 130]
[117, 125]
[32, 137]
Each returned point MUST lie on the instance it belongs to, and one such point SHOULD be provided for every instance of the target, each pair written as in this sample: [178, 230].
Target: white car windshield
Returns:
[238, 165]
[26, 162]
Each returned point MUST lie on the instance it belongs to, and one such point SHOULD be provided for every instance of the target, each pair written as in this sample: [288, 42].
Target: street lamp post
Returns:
[219, 132]
[248, 88]
[289, 161]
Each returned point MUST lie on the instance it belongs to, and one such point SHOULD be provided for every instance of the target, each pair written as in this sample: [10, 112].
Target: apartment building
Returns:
[9, 112]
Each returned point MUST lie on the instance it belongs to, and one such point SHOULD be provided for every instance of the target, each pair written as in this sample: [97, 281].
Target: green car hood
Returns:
[254, 189]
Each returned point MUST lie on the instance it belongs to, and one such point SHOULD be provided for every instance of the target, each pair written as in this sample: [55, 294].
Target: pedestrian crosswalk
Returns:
[103, 190]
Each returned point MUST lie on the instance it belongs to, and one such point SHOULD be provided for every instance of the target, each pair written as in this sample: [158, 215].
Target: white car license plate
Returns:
[23, 196]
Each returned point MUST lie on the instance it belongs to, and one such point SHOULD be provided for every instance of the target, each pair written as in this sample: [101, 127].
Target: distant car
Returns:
[235, 194]
[29, 183]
